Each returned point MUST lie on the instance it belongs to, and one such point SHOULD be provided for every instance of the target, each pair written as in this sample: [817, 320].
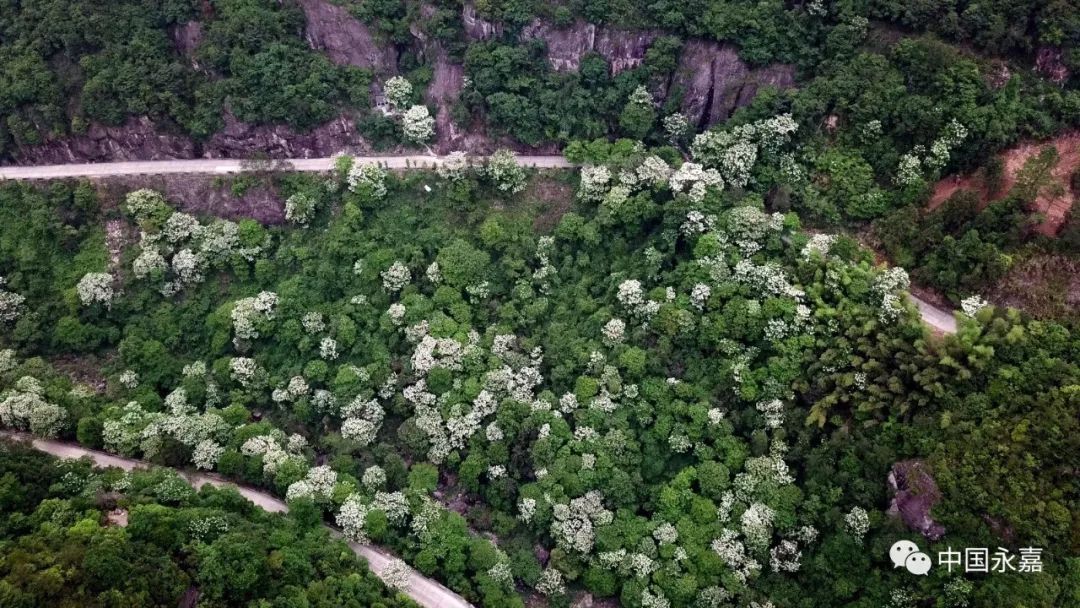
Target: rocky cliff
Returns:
[344, 39]
[137, 139]
[713, 81]
[623, 49]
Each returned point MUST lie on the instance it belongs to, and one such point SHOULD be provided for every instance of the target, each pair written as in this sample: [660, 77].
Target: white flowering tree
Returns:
[504, 172]
[11, 304]
[398, 91]
[96, 288]
[367, 180]
[417, 124]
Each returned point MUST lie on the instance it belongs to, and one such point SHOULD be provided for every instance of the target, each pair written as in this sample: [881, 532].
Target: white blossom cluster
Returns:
[526, 509]
[317, 484]
[887, 286]
[417, 124]
[614, 332]
[396, 277]
[351, 518]
[25, 408]
[374, 478]
[363, 419]
[766, 278]
[368, 180]
[551, 583]
[206, 454]
[857, 522]
[733, 553]
[96, 288]
[300, 208]
[594, 183]
[129, 379]
[11, 304]
[654, 600]
[454, 167]
[749, 226]
[574, 525]
[503, 170]
[632, 297]
[244, 370]
[270, 449]
[398, 91]
[699, 295]
[818, 244]
[247, 313]
[971, 305]
[772, 411]
[654, 172]
[396, 575]
[676, 126]
[733, 153]
[696, 180]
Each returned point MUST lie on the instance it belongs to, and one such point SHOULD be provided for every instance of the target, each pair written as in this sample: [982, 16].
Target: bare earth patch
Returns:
[1045, 285]
[204, 195]
[554, 196]
[1053, 202]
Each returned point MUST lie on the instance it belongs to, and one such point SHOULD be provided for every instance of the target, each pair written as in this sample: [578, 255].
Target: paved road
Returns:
[422, 590]
[223, 166]
[941, 320]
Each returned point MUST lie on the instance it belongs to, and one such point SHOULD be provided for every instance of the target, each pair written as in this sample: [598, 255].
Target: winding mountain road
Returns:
[221, 166]
[937, 318]
[940, 319]
[422, 590]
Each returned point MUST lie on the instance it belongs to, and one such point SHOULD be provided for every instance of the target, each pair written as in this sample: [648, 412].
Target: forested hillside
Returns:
[684, 373]
[73, 535]
[664, 394]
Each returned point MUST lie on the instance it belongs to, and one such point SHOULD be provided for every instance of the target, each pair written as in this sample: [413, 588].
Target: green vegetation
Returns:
[73, 535]
[67, 63]
[680, 396]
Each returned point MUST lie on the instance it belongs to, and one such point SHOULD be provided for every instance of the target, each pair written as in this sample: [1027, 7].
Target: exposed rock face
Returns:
[186, 38]
[137, 139]
[1049, 63]
[239, 140]
[623, 49]
[347, 41]
[914, 494]
[714, 82]
[477, 28]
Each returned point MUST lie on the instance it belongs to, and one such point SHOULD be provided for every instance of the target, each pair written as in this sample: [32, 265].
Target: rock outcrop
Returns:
[186, 38]
[477, 28]
[344, 39]
[914, 495]
[240, 140]
[623, 49]
[137, 139]
[713, 81]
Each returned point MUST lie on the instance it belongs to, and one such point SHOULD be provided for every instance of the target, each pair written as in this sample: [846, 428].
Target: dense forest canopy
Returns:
[683, 398]
[683, 373]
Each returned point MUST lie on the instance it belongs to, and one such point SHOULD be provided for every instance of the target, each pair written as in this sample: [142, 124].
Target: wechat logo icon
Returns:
[906, 554]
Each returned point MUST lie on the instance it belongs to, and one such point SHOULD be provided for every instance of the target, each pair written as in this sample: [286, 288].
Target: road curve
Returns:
[222, 166]
[422, 590]
[941, 320]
